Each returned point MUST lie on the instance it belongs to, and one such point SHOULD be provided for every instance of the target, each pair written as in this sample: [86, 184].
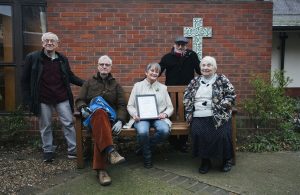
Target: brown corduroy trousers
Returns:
[102, 135]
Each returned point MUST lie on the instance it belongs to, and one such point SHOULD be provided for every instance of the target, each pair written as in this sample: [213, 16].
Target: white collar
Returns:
[208, 81]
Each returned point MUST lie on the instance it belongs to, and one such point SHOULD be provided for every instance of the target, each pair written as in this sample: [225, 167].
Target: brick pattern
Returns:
[135, 33]
[191, 185]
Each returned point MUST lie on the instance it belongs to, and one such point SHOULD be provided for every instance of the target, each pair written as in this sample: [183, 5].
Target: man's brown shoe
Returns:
[115, 158]
[104, 178]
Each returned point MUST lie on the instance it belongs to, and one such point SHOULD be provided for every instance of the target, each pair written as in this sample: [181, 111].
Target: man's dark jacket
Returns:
[180, 69]
[109, 89]
[31, 77]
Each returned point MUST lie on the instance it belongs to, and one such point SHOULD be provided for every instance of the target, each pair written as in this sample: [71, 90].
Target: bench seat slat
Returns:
[177, 129]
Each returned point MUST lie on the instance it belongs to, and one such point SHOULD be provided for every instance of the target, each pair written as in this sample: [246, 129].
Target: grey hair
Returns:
[209, 60]
[50, 34]
[103, 58]
[154, 65]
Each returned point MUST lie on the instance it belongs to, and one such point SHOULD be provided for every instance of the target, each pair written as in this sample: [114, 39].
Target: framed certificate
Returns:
[147, 106]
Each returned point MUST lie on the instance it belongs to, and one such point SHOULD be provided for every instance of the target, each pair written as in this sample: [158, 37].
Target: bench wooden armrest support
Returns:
[233, 134]
[179, 127]
[79, 140]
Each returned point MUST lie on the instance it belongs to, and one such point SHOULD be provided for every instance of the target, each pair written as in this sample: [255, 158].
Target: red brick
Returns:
[136, 33]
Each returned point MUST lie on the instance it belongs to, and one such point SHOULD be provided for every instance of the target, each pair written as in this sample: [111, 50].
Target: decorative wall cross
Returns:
[197, 32]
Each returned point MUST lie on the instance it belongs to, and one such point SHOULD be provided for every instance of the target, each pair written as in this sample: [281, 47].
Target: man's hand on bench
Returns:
[85, 111]
[117, 128]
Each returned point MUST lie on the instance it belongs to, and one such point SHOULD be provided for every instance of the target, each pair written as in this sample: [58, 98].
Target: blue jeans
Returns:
[162, 131]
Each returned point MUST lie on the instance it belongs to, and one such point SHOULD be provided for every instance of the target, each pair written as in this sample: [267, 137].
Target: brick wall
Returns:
[135, 33]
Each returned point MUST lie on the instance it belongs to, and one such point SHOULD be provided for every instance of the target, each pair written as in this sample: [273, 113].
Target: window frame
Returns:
[18, 41]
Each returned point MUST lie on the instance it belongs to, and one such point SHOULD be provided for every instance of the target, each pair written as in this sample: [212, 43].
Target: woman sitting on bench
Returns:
[208, 101]
[161, 123]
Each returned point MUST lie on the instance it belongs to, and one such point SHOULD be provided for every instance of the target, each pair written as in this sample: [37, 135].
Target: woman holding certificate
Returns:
[150, 105]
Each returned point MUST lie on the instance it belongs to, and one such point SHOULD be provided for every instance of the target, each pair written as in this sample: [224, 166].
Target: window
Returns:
[22, 23]
[7, 74]
[34, 24]
[6, 52]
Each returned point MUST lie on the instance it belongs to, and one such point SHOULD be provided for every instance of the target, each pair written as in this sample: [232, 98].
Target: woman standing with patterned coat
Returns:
[208, 100]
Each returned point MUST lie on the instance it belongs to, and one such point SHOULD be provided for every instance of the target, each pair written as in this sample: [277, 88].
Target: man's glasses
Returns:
[49, 40]
[106, 65]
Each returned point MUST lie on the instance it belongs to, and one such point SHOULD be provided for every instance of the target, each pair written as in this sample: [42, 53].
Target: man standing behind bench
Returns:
[180, 65]
[45, 84]
[101, 100]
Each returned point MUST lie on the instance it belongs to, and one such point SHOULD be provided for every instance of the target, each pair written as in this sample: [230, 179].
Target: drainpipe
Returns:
[283, 37]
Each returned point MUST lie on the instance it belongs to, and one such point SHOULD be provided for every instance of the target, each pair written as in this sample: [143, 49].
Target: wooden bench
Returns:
[179, 126]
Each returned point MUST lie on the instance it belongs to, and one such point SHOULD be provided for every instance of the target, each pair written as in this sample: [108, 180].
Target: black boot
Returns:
[147, 154]
[227, 164]
[205, 166]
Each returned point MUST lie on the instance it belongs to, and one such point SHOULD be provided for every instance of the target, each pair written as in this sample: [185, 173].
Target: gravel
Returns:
[22, 170]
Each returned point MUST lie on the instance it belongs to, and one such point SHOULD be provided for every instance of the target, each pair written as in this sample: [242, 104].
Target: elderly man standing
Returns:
[101, 101]
[180, 65]
[45, 83]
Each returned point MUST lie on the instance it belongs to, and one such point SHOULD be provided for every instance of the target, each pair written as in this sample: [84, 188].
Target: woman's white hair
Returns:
[154, 65]
[105, 58]
[209, 60]
[49, 35]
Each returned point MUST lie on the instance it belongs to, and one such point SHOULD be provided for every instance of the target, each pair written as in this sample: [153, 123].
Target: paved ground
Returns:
[176, 173]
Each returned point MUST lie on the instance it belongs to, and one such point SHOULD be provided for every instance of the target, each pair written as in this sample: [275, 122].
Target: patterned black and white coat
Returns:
[223, 98]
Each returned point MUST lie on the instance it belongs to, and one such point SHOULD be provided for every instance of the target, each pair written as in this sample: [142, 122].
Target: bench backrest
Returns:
[176, 95]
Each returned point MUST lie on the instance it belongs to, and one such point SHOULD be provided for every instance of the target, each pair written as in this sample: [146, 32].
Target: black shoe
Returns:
[227, 165]
[205, 166]
[148, 163]
[48, 157]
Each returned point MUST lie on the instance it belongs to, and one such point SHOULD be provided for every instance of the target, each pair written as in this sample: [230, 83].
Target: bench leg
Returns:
[233, 134]
[80, 162]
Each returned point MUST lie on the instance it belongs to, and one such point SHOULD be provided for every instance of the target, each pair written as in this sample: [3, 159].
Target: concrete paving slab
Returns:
[177, 173]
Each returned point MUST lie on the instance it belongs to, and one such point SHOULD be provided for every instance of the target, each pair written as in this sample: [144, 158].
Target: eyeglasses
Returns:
[49, 40]
[106, 65]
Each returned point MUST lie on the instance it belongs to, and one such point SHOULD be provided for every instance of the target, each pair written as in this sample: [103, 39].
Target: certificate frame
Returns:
[147, 106]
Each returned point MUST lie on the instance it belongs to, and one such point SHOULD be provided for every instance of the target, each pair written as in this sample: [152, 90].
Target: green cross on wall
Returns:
[197, 32]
